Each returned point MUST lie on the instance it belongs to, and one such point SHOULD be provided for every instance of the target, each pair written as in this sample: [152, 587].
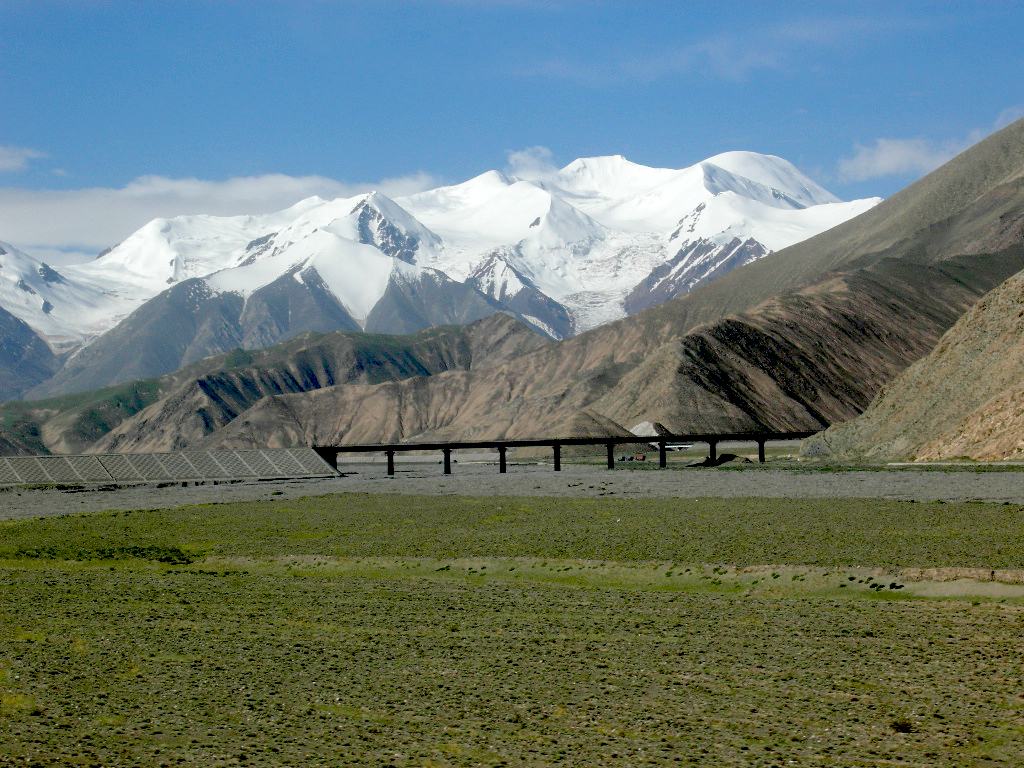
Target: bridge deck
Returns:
[330, 452]
[318, 461]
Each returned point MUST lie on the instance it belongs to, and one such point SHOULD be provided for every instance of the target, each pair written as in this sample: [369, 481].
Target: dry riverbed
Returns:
[531, 479]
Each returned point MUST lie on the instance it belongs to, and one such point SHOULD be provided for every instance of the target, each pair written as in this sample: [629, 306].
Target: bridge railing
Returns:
[330, 452]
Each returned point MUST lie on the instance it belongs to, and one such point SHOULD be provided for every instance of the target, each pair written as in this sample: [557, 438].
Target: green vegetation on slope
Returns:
[84, 417]
[214, 390]
[343, 631]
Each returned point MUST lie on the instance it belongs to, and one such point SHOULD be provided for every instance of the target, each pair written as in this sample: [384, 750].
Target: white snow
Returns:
[584, 236]
[496, 278]
[64, 308]
[356, 274]
[644, 429]
[536, 321]
[775, 172]
[589, 233]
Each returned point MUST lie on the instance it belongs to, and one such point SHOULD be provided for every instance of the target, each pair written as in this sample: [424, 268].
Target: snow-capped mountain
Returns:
[592, 242]
[61, 306]
[592, 234]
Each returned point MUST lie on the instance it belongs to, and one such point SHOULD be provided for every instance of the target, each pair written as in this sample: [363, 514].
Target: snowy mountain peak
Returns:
[379, 221]
[718, 181]
[53, 302]
[564, 223]
[603, 166]
[306, 203]
[566, 251]
[475, 189]
[773, 172]
[609, 175]
[600, 166]
[496, 277]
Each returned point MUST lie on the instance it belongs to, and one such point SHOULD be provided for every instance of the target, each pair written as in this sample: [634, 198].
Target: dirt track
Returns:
[539, 480]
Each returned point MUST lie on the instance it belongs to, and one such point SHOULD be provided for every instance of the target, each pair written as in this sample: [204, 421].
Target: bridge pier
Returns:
[329, 453]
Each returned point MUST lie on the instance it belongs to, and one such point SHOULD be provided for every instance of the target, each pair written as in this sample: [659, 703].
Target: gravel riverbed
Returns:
[575, 480]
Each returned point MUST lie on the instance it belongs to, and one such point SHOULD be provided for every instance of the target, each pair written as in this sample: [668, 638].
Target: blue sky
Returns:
[147, 108]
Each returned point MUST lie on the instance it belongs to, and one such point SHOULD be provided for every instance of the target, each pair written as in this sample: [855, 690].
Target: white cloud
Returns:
[895, 157]
[94, 218]
[57, 257]
[17, 158]
[532, 163]
[1007, 116]
[726, 58]
[730, 56]
[913, 156]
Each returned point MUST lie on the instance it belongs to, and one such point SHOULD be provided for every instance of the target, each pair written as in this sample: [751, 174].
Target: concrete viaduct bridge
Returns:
[330, 452]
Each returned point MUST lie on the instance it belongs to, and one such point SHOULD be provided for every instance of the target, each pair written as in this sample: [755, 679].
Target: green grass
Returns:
[387, 630]
[739, 531]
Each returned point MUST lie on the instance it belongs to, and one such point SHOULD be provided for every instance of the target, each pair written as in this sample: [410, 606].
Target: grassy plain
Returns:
[396, 630]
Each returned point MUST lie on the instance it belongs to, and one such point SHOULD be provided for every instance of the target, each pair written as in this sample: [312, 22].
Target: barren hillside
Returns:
[965, 399]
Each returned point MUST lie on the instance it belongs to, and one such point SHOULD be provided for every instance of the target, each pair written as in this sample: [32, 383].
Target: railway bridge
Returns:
[330, 452]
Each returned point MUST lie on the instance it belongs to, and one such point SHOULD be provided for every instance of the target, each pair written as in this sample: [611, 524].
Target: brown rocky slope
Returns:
[853, 307]
[802, 361]
[197, 407]
[965, 399]
[799, 340]
[180, 408]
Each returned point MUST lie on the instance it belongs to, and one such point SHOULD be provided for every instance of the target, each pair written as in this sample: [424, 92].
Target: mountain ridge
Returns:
[577, 242]
[866, 301]
[872, 302]
[214, 390]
